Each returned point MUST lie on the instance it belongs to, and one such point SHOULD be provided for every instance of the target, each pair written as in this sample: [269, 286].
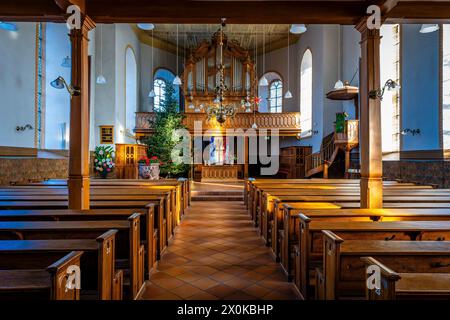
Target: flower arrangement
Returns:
[147, 161]
[104, 160]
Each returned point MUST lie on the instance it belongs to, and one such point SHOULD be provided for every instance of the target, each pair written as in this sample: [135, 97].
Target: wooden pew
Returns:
[343, 273]
[264, 196]
[160, 209]
[274, 220]
[41, 284]
[149, 234]
[310, 241]
[407, 286]
[254, 186]
[99, 276]
[128, 248]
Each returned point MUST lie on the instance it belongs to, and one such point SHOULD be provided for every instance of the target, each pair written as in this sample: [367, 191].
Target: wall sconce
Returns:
[60, 83]
[389, 85]
[413, 132]
[25, 127]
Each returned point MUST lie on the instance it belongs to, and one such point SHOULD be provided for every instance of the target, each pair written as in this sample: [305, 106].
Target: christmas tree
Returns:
[161, 143]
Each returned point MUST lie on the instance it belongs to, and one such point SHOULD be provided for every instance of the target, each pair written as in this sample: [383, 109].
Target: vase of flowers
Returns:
[149, 168]
[104, 161]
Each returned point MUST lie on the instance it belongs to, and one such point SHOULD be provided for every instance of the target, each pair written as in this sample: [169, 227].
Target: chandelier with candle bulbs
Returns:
[220, 110]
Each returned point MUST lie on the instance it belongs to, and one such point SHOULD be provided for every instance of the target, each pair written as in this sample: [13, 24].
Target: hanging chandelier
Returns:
[219, 110]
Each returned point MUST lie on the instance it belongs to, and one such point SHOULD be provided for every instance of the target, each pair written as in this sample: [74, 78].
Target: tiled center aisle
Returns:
[216, 254]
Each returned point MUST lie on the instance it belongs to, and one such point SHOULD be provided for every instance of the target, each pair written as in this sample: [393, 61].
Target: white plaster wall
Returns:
[105, 104]
[57, 101]
[162, 59]
[125, 37]
[17, 81]
[91, 52]
[322, 41]
[351, 53]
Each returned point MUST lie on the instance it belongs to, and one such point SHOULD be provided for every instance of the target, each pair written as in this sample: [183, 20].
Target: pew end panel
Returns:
[117, 288]
[331, 266]
[60, 273]
[388, 279]
[107, 258]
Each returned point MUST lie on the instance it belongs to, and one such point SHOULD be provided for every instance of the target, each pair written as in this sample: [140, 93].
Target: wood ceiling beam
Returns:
[63, 4]
[30, 10]
[244, 12]
[190, 11]
[420, 12]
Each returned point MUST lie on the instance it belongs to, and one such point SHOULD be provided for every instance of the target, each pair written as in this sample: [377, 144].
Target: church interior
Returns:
[314, 136]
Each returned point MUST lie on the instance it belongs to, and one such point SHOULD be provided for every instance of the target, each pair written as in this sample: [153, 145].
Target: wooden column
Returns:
[246, 151]
[370, 119]
[78, 182]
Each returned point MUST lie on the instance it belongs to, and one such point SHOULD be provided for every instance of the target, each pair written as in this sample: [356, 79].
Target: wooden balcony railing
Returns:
[288, 123]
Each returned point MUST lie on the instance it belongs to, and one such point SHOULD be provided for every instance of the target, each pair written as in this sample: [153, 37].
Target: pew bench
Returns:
[41, 284]
[408, 286]
[130, 254]
[344, 273]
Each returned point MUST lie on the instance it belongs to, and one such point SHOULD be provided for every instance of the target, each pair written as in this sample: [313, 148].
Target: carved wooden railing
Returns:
[288, 123]
[346, 140]
[314, 162]
[350, 135]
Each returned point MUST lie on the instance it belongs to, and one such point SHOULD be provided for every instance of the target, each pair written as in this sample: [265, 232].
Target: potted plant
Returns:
[104, 161]
[149, 168]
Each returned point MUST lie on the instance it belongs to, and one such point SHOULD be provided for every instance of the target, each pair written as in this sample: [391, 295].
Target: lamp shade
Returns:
[339, 85]
[263, 82]
[58, 83]
[298, 28]
[428, 28]
[8, 26]
[288, 95]
[101, 79]
[152, 94]
[146, 26]
[254, 126]
[67, 62]
[177, 81]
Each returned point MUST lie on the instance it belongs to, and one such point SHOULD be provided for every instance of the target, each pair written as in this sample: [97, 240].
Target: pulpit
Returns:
[127, 157]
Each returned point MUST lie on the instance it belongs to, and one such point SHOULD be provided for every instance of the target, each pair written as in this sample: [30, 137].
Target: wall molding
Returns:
[422, 155]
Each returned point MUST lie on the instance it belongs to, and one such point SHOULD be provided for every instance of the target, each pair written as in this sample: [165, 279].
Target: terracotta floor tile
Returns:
[221, 290]
[186, 290]
[216, 253]
[205, 283]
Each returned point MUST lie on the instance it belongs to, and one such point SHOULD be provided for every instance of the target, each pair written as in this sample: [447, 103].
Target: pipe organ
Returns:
[201, 74]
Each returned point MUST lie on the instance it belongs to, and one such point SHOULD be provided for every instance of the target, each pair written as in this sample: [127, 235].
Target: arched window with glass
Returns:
[276, 96]
[306, 94]
[159, 86]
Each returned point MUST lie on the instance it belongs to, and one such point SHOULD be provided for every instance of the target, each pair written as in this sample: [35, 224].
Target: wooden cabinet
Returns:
[127, 157]
[292, 162]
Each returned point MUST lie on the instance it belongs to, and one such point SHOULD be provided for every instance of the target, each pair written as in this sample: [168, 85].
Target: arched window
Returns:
[276, 96]
[162, 78]
[271, 95]
[159, 86]
[306, 94]
[390, 69]
[130, 89]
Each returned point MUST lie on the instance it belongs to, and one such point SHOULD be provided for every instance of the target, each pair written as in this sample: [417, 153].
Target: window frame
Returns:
[278, 107]
[159, 97]
[309, 132]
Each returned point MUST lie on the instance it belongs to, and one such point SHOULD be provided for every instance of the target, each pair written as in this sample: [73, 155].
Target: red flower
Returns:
[257, 100]
[154, 158]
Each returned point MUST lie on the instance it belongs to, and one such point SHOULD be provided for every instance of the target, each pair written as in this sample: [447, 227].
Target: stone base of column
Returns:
[371, 193]
[79, 188]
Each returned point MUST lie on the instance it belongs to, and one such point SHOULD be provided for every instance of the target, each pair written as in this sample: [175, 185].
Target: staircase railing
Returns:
[317, 159]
